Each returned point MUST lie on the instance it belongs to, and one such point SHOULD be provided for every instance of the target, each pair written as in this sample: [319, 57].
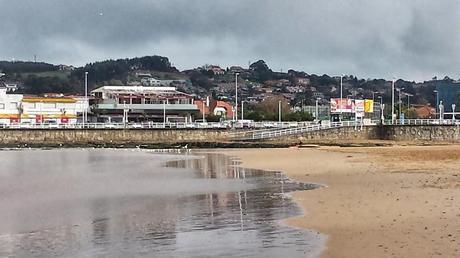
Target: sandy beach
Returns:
[378, 202]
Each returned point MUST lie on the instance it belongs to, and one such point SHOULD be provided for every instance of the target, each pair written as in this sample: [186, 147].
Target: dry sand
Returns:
[379, 202]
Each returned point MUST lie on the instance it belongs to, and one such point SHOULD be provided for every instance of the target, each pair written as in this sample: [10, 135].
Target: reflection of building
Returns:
[142, 104]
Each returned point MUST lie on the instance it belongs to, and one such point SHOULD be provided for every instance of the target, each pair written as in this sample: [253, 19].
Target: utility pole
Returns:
[236, 97]
[242, 110]
[392, 101]
[85, 108]
[341, 96]
[279, 111]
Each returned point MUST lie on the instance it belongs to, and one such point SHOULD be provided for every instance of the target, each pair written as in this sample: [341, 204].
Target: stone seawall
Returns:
[433, 133]
[107, 137]
[220, 138]
[332, 136]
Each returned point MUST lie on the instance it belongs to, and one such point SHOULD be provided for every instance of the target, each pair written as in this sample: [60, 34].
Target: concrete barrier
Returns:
[109, 137]
[219, 138]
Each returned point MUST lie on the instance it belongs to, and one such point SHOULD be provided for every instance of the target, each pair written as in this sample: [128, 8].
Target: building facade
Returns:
[20, 109]
[142, 104]
[9, 107]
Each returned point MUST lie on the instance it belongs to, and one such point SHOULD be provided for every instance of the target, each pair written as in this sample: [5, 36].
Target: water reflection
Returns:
[123, 203]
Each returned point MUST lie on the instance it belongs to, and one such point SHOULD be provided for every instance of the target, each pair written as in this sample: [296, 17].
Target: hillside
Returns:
[256, 83]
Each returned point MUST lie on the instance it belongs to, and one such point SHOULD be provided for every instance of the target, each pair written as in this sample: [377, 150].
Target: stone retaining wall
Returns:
[108, 137]
[444, 133]
[220, 138]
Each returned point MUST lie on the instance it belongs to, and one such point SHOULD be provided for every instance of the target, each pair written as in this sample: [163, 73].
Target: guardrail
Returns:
[273, 133]
[251, 127]
[423, 122]
[154, 125]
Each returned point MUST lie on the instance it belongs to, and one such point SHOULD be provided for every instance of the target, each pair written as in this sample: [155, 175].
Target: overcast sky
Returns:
[411, 39]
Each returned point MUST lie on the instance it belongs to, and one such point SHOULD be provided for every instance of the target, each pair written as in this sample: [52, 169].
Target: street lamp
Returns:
[392, 101]
[317, 109]
[279, 111]
[242, 110]
[341, 96]
[85, 108]
[399, 101]
[164, 113]
[380, 109]
[125, 113]
[373, 95]
[236, 97]
[437, 100]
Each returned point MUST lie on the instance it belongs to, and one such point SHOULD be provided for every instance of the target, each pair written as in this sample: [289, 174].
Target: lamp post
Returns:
[437, 101]
[164, 113]
[242, 110]
[279, 112]
[85, 108]
[204, 112]
[341, 96]
[317, 109]
[399, 101]
[392, 101]
[125, 114]
[453, 112]
[236, 97]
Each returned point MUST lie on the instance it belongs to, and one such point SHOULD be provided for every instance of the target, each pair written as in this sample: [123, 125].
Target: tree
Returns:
[271, 105]
[260, 71]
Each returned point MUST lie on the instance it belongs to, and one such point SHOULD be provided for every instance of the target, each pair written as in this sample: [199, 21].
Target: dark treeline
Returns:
[120, 69]
[39, 78]
[26, 67]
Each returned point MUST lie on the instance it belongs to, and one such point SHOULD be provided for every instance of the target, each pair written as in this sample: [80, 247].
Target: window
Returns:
[2, 106]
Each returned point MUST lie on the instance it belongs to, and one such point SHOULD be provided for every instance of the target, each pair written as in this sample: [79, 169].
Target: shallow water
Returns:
[126, 203]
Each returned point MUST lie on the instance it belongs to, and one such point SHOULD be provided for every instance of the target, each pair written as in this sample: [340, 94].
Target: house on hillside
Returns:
[215, 69]
[67, 68]
[216, 107]
[236, 69]
[424, 111]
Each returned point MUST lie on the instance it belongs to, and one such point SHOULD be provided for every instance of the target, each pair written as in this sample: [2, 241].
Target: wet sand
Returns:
[378, 202]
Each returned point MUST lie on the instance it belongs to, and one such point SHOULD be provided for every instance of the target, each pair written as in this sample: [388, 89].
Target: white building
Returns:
[142, 104]
[59, 110]
[9, 107]
[17, 108]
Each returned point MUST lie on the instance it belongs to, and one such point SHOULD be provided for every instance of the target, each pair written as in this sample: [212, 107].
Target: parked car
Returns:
[51, 124]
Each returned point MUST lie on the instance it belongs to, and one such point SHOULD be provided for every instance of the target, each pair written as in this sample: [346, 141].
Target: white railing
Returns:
[254, 128]
[423, 122]
[273, 133]
[158, 125]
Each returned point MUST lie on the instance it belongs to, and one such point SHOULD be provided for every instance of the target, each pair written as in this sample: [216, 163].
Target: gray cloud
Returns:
[414, 39]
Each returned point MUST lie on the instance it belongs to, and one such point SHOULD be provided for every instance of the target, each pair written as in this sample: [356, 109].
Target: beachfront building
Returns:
[9, 107]
[142, 104]
[50, 109]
